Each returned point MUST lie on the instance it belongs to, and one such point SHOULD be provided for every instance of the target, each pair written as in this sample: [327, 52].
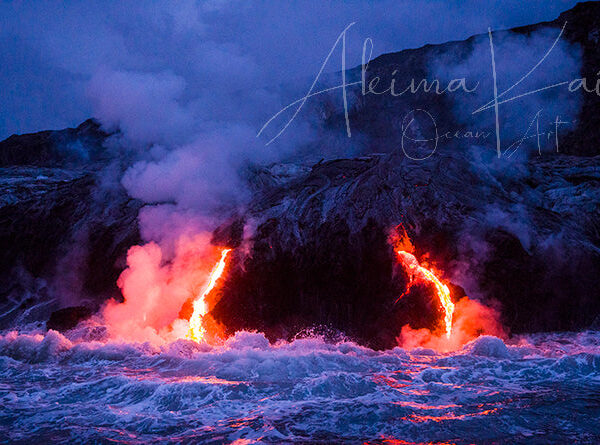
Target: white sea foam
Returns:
[543, 388]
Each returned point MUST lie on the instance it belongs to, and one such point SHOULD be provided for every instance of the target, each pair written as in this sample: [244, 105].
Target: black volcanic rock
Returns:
[60, 225]
[229, 234]
[320, 254]
[523, 233]
[59, 148]
[67, 318]
[583, 28]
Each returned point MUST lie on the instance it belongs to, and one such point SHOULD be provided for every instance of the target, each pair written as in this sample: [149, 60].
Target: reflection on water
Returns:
[538, 389]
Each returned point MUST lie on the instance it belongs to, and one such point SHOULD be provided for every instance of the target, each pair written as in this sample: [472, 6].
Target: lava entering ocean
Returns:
[169, 295]
[464, 320]
[418, 272]
[197, 330]
[163, 288]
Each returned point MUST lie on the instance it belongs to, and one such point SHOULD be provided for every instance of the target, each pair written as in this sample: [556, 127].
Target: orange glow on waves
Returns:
[418, 272]
[464, 320]
[197, 330]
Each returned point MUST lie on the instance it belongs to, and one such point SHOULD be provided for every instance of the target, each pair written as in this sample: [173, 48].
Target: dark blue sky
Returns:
[57, 58]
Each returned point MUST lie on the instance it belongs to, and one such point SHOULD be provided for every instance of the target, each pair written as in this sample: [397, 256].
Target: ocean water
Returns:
[534, 389]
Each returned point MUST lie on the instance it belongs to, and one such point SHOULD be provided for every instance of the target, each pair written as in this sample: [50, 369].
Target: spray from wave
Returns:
[305, 390]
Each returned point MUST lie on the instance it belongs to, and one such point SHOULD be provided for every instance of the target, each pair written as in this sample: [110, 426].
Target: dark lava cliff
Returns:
[523, 232]
[64, 234]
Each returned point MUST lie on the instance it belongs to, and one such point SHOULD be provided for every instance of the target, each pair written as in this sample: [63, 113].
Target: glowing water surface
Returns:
[541, 389]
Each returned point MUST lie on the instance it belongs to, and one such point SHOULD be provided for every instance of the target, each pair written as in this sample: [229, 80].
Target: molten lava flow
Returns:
[419, 272]
[197, 330]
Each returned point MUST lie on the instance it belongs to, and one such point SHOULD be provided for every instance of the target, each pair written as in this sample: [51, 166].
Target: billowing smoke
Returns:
[54, 49]
[187, 85]
[155, 290]
[193, 136]
[532, 73]
[471, 319]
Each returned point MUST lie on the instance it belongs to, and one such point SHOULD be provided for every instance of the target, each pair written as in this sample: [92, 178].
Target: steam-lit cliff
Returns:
[521, 232]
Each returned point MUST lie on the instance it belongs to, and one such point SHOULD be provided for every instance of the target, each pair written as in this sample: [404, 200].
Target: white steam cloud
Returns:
[188, 84]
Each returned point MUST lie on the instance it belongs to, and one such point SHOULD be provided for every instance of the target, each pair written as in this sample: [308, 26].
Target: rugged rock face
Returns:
[320, 254]
[523, 232]
[71, 147]
[67, 318]
[64, 236]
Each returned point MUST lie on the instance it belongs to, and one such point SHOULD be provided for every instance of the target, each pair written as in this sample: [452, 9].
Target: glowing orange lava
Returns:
[419, 272]
[197, 330]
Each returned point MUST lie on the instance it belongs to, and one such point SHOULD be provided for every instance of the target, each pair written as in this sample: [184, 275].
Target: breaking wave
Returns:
[535, 389]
